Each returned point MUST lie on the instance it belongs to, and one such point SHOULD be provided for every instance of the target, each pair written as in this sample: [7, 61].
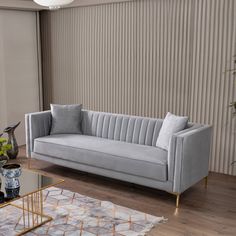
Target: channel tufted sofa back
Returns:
[131, 129]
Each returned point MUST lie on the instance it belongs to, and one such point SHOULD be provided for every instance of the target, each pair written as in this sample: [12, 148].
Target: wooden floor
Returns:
[210, 211]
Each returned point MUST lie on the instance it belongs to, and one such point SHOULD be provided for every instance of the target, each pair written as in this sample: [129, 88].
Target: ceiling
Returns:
[31, 5]
[20, 4]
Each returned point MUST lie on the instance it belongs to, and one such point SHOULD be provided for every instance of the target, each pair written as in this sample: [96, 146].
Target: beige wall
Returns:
[147, 58]
[19, 90]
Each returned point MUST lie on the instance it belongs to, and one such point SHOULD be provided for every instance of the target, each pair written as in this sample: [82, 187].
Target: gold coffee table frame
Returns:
[32, 208]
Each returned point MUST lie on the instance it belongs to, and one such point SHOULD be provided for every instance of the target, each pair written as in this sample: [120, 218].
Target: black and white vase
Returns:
[12, 172]
[13, 152]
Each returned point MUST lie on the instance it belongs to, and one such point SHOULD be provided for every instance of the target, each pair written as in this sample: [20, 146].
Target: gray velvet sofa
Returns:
[123, 147]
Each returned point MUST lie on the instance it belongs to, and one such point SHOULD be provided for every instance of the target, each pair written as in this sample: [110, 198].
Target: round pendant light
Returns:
[53, 4]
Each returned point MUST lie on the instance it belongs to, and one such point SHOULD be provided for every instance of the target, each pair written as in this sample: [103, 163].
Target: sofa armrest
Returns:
[37, 124]
[191, 158]
[172, 149]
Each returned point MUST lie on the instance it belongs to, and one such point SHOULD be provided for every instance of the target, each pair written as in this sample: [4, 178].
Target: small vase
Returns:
[12, 172]
[13, 152]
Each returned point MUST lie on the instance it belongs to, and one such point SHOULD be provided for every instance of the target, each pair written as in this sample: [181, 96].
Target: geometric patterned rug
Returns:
[78, 215]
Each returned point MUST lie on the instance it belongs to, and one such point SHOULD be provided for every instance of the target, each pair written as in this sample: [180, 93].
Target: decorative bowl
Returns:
[10, 171]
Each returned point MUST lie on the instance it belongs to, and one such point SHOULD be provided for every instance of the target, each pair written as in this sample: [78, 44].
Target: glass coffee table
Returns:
[30, 199]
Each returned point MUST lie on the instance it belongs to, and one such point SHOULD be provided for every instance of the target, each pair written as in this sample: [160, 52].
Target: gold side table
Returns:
[31, 199]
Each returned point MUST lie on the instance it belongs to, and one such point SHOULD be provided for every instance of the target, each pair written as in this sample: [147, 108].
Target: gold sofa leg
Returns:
[206, 181]
[177, 200]
[177, 195]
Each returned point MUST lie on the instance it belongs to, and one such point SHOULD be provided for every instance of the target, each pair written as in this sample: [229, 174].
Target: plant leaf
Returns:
[3, 140]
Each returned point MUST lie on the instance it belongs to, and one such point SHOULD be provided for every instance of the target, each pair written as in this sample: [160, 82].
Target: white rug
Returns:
[78, 215]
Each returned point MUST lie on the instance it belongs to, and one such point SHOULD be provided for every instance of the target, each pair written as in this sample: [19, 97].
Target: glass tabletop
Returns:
[30, 182]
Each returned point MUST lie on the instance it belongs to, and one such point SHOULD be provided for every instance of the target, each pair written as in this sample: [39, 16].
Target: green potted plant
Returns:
[233, 104]
[4, 147]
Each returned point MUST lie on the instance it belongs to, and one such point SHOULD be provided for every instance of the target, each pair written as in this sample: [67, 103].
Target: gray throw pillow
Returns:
[171, 124]
[66, 119]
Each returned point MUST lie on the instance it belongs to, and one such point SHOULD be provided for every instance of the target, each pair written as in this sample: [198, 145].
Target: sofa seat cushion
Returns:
[139, 160]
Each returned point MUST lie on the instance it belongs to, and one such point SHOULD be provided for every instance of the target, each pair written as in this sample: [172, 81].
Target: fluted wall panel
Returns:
[146, 58]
